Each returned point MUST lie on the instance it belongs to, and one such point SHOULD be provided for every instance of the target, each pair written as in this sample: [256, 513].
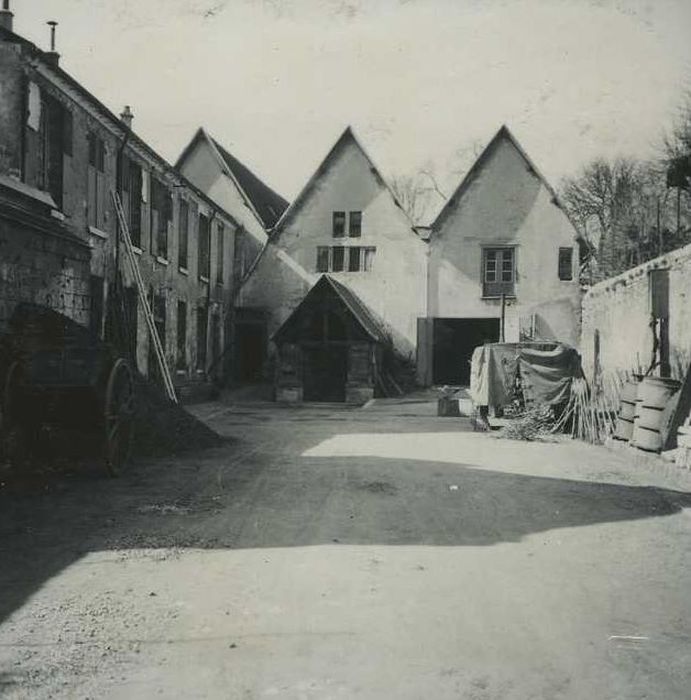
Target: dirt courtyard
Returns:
[332, 552]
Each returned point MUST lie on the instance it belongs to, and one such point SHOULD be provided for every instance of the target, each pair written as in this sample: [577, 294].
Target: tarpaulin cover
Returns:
[546, 371]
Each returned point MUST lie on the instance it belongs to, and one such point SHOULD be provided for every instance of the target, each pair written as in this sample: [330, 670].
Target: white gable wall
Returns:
[506, 204]
[201, 167]
[395, 288]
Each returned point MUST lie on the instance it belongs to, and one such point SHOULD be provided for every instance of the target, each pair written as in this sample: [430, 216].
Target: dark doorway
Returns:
[454, 342]
[324, 373]
[251, 351]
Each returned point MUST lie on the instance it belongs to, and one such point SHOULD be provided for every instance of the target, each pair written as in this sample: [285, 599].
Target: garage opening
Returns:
[453, 345]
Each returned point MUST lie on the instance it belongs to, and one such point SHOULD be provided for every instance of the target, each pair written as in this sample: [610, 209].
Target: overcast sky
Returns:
[421, 81]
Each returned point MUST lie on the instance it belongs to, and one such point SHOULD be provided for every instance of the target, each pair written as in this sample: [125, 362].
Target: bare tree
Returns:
[417, 193]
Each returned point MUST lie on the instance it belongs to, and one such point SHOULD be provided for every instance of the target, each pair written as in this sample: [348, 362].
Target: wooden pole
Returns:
[502, 335]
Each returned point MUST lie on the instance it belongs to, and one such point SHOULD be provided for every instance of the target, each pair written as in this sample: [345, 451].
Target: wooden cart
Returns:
[57, 374]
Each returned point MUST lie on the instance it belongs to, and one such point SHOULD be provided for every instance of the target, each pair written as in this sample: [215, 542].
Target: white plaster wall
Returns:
[506, 204]
[395, 288]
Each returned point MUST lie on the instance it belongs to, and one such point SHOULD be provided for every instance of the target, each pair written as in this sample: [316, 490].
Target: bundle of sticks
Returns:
[591, 414]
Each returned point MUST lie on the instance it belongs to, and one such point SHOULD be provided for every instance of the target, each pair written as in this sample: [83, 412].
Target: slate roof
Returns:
[44, 57]
[268, 204]
[362, 315]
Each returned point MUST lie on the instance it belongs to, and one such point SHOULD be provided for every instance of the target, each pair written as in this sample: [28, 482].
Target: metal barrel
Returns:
[651, 399]
[627, 411]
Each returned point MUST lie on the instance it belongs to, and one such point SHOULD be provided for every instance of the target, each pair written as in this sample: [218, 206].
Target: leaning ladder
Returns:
[153, 331]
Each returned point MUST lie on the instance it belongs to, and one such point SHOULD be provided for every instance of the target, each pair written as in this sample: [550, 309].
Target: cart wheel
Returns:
[119, 417]
[11, 428]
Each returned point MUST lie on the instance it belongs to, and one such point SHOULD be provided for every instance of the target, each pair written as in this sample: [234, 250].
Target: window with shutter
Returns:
[565, 264]
[220, 234]
[96, 182]
[183, 233]
[182, 336]
[203, 247]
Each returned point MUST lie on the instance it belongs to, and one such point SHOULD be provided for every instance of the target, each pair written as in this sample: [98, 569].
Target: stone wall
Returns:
[42, 269]
[618, 310]
[38, 266]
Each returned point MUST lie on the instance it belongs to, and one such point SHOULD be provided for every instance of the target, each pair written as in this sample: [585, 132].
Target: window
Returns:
[55, 142]
[337, 257]
[96, 182]
[344, 258]
[130, 187]
[202, 321]
[96, 305]
[158, 309]
[338, 224]
[220, 234]
[355, 224]
[499, 273]
[240, 254]
[203, 246]
[181, 359]
[183, 233]
[565, 264]
[161, 214]
[368, 258]
[354, 259]
[323, 259]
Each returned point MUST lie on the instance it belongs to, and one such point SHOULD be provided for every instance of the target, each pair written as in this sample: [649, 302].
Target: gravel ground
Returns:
[328, 552]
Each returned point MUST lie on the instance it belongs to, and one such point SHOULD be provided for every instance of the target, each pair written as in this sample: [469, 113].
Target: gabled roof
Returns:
[503, 134]
[347, 137]
[127, 134]
[361, 314]
[267, 205]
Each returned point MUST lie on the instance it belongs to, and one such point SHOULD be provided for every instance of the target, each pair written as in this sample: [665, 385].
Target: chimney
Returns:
[52, 56]
[6, 16]
[126, 116]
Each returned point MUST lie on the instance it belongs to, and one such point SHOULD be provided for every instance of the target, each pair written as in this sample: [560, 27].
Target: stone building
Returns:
[346, 223]
[502, 247]
[499, 260]
[257, 208]
[62, 154]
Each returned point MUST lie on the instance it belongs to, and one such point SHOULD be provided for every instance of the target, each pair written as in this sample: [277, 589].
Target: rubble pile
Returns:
[164, 428]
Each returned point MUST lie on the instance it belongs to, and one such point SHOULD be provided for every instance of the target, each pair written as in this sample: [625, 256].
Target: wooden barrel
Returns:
[651, 399]
[627, 411]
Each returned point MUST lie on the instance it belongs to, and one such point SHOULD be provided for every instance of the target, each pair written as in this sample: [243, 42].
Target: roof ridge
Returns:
[502, 132]
[348, 133]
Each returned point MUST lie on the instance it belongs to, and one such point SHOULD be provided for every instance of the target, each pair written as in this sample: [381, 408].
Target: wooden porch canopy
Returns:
[330, 312]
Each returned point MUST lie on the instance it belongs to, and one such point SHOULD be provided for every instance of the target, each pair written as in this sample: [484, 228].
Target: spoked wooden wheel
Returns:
[119, 417]
[11, 429]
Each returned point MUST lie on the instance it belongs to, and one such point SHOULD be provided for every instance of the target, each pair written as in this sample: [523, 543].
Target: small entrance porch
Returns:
[329, 349]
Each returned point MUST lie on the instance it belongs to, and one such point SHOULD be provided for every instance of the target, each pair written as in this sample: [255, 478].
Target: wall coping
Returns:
[662, 262]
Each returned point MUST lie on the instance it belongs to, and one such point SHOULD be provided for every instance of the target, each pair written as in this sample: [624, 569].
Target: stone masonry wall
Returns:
[619, 309]
[42, 269]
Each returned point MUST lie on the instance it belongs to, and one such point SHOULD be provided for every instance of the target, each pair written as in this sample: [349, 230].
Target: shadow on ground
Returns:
[253, 495]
